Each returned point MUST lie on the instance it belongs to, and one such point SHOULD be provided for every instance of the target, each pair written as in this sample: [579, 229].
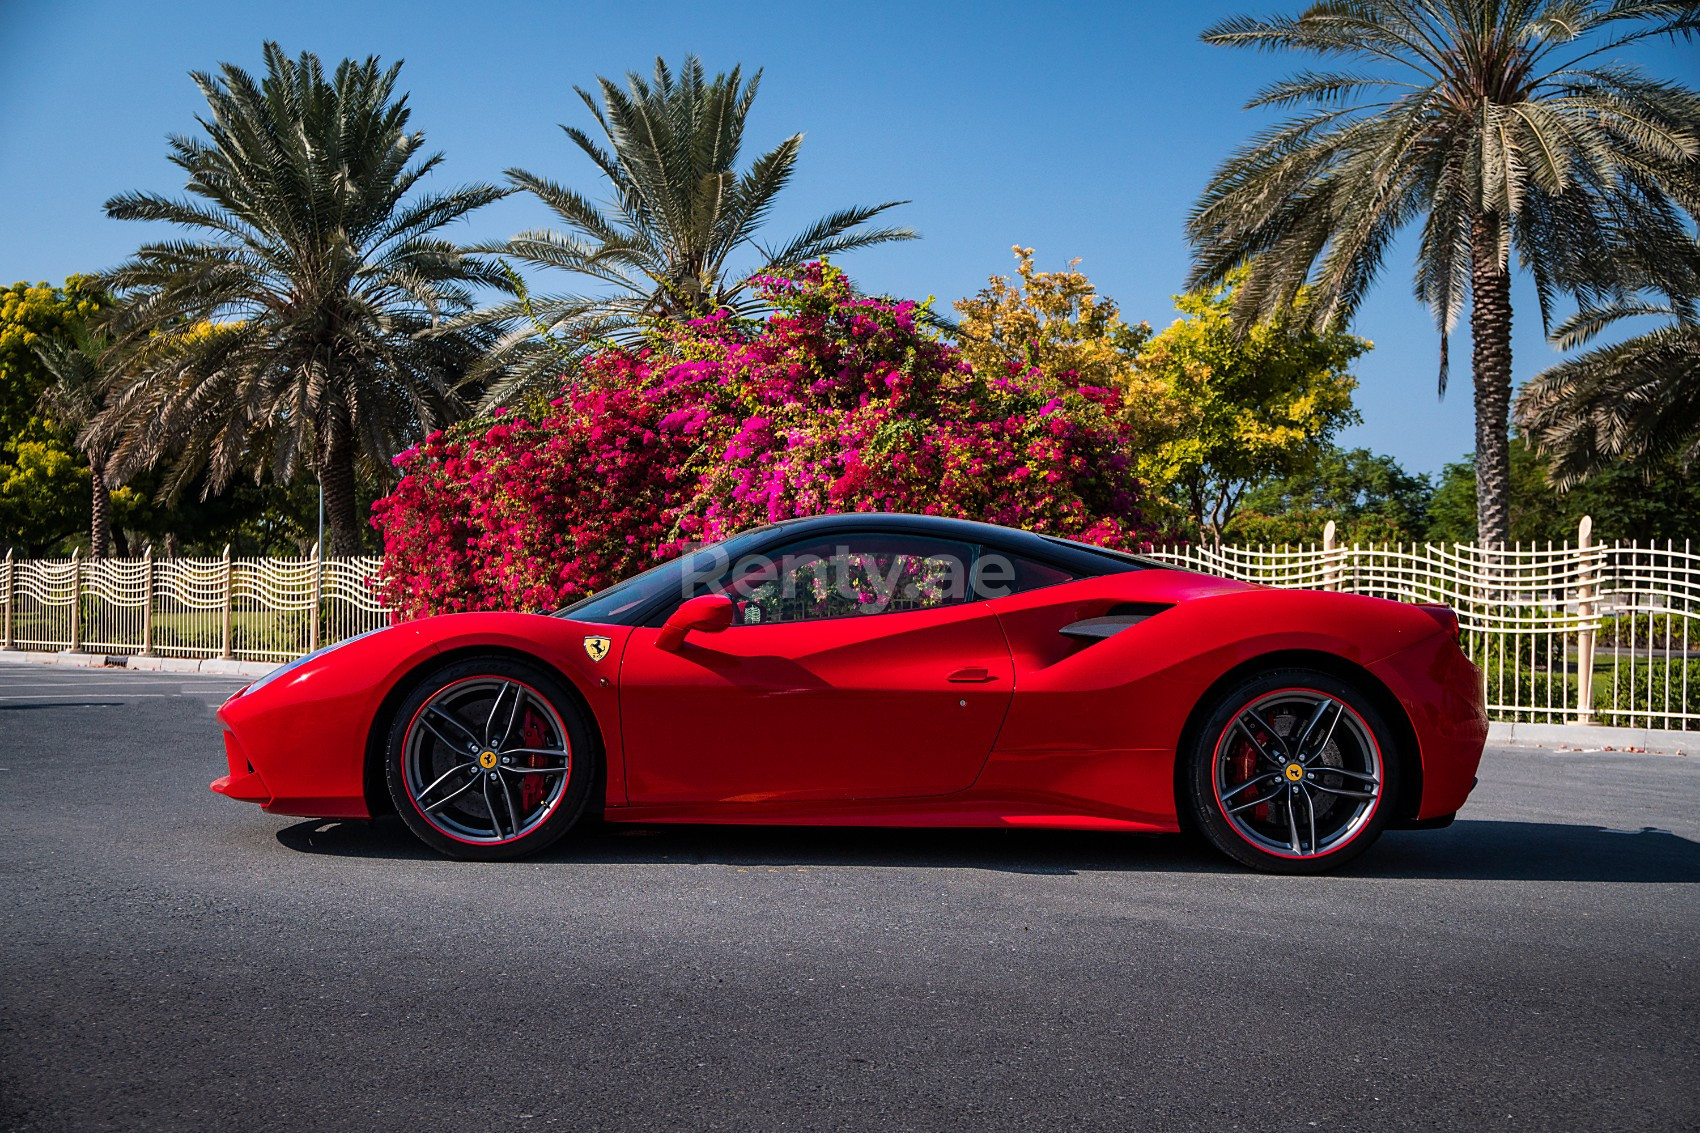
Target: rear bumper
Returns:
[1442, 696]
[1440, 822]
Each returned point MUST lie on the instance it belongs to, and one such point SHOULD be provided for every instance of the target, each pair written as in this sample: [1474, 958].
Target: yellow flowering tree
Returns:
[1213, 412]
[44, 482]
[1055, 322]
[1260, 405]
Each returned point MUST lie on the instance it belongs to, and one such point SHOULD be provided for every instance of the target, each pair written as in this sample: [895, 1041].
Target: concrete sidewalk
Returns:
[1590, 737]
[219, 666]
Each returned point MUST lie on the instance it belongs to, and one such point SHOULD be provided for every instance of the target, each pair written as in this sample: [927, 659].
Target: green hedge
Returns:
[1629, 693]
[1624, 699]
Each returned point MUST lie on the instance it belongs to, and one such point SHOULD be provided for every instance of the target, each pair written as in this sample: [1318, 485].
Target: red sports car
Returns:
[886, 670]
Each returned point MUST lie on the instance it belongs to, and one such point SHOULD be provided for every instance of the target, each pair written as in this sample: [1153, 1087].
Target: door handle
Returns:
[974, 675]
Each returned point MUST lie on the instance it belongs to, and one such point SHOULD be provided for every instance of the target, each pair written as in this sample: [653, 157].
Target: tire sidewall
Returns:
[1201, 806]
[584, 766]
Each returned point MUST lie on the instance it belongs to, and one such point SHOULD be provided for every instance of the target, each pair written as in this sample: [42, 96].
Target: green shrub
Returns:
[1638, 696]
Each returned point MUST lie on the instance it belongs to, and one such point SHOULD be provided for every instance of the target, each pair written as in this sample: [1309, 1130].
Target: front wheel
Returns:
[1294, 771]
[490, 758]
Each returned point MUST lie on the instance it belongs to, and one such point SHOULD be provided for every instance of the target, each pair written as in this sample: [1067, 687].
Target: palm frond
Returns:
[306, 317]
[681, 212]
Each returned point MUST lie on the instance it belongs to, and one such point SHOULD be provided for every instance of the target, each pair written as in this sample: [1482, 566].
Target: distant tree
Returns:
[292, 333]
[44, 492]
[1499, 124]
[680, 212]
[265, 518]
[1368, 497]
[1259, 405]
[1654, 503]
[79, 363]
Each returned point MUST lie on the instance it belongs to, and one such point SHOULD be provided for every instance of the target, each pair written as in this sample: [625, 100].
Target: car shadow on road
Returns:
[1469, 850]
[1488, 850]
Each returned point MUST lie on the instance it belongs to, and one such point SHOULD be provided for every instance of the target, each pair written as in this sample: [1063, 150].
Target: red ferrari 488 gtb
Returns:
[886, 670]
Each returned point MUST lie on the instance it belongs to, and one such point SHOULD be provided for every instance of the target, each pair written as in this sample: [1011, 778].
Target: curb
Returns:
[211, 666]
[1589, 737]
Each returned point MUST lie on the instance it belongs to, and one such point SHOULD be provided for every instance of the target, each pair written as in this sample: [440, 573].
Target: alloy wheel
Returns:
[1298, 773]
[486, 760]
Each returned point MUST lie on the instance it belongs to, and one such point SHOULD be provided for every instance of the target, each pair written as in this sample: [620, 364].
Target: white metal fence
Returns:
[1581, 633]
[1578, 633]
[249, 609]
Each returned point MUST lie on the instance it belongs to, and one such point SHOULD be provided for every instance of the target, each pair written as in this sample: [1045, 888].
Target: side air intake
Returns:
[1120, 617]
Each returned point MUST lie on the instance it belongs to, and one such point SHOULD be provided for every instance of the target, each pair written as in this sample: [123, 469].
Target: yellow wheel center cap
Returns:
[1294, 772]
[487, 759]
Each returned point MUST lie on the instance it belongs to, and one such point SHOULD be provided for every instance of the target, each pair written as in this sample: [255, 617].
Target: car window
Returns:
[848, 576]
[999, 574]
[625, 602]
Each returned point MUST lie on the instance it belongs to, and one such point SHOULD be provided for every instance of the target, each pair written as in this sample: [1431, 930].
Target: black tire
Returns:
[519, 773]
[1293, 771]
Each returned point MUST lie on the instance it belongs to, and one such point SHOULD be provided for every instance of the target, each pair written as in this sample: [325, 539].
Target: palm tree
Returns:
[680, 211]
[1499, 124]
[73, 396]
[292, 333]
[1637, 401]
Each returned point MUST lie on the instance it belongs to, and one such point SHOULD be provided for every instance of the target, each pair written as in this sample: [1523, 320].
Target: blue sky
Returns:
[1082, 130]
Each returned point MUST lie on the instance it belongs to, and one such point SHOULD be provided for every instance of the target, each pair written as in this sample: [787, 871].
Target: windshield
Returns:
[625, 603]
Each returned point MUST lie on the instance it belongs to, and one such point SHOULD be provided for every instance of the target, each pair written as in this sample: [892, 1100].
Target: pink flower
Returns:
[836, 403]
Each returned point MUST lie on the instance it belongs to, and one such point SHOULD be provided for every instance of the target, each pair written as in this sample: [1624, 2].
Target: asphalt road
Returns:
[175, 961]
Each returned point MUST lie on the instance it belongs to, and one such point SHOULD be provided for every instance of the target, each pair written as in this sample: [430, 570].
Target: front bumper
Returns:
[296, 744]
[243, 783]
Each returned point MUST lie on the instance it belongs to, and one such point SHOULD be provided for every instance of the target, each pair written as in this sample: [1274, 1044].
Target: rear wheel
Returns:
[1293, 771]
[490, 758]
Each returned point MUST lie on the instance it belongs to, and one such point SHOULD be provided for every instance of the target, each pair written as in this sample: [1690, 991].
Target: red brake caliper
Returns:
[531, 791]
[1245, 766]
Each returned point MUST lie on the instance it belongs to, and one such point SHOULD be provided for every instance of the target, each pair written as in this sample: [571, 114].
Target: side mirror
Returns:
[710, 613]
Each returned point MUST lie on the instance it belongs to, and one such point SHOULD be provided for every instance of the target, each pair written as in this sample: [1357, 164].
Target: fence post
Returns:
[1330, 561]
[147, 601]
[76, 599]
[318, 601]
[1586, 592]
[227, 652]
[11, 586]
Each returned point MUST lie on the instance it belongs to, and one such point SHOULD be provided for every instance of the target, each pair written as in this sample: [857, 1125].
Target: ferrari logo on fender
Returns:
[597, 647]
[1294, 772]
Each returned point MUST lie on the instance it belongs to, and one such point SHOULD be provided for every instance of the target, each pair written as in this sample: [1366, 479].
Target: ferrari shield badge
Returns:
[597, 647]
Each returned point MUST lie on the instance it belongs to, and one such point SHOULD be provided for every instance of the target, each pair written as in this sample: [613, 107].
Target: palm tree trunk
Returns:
[100, 525]
[1490, 332]
[336, 477]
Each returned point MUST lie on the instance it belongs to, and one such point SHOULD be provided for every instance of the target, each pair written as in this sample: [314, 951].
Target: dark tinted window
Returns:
[624, 603]
[1000, 574]
[850, 575]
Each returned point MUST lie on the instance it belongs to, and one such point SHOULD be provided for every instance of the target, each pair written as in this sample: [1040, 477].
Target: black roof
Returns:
[1080, 557]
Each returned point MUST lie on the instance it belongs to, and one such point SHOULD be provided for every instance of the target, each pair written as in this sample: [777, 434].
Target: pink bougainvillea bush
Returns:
[836, 403]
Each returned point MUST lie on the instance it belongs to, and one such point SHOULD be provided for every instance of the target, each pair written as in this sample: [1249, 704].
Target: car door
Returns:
[858, 666]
